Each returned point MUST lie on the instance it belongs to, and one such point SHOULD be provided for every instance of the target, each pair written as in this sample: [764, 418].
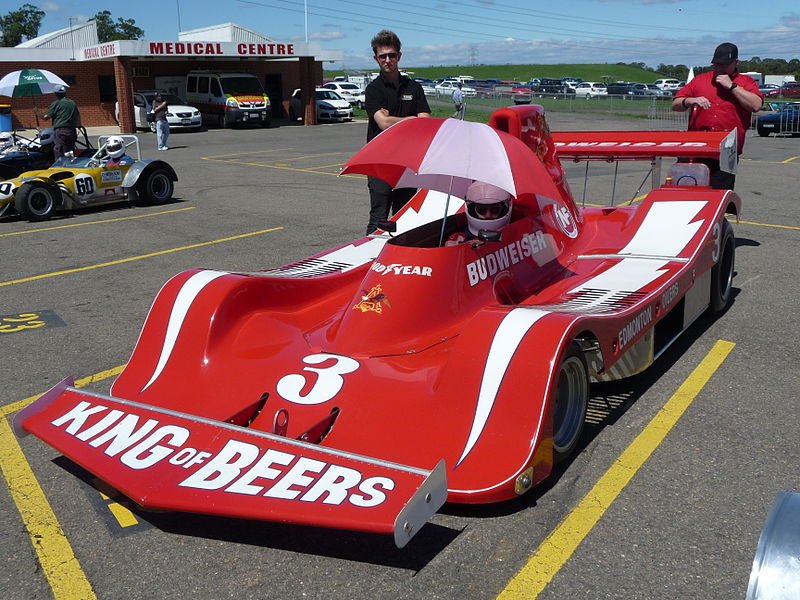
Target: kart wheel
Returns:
[763, 132]
[155, 186]
[570, 401]
[722, 272]
[36, 200]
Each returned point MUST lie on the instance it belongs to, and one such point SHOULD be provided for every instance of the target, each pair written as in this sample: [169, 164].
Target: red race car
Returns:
[365, 386]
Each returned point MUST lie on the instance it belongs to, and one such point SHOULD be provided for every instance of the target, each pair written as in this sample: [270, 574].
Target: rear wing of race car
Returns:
[611, 146]
[170, 460]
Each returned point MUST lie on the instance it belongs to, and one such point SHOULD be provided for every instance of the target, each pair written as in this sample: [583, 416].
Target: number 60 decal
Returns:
[329, 380]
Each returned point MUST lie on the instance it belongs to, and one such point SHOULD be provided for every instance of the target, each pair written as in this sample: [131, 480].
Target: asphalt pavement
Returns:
[686, 525]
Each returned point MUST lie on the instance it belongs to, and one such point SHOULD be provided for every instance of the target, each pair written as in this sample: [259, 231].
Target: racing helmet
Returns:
[6, 139]
[488, 207]
[46, 136]
[115, 146]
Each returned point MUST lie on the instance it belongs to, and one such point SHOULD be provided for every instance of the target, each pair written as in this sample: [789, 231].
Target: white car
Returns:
[590, 89]
[179, 114]
[330, 106]
[349, 91]
[668, 84]
[447, 87]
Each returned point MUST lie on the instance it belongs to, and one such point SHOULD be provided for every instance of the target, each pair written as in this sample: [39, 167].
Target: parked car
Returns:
[349, 91]
[790, 89]
[672, 85]
[647, 89]
[550, 86]
[770, 90]
[620, 88]
[446, 88]
[590, 89]
[179, 114]
[785, 120]
[330, 106]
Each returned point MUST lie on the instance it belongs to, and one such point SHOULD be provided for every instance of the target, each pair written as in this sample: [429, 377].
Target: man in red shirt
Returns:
[720, 100]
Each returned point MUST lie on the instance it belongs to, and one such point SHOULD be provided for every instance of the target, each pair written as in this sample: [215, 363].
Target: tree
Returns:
[123, 29]
[21, 23]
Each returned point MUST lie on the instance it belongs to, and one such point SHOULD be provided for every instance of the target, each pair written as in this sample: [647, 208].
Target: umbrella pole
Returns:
[446, 208]
[35, 112]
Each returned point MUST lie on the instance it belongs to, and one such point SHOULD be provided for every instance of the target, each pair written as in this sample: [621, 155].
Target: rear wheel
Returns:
[570, 401]
[155, 186]
[722, 272]
[37, 200]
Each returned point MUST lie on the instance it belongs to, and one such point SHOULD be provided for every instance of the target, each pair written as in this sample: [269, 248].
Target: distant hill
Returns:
[526, 72]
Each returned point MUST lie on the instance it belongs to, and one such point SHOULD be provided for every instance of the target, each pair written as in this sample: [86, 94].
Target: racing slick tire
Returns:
[155, 186]
[722, 272]
[763, 132]
[570, 400]
[37, 200]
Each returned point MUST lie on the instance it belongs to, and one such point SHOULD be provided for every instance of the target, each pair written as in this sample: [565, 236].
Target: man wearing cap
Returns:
[720, 100]
[66, 117]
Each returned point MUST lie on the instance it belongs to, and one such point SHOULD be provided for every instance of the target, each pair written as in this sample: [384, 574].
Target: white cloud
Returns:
[326, 36]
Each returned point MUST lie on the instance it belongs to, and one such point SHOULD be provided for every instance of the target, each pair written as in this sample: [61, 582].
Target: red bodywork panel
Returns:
[410, 370]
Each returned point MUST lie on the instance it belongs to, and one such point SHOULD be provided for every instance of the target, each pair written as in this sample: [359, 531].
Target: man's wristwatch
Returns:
[683, 102]
[733, 86]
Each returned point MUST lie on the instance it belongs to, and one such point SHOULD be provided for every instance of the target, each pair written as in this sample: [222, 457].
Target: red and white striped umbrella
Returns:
[448, 154]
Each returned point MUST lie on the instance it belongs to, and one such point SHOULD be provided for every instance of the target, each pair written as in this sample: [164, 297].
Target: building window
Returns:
[108, 88]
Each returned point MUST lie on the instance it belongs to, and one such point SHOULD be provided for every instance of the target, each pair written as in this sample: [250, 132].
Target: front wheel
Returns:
[763, 132]
[570, 401]
[37, 200]
[155, 186]
[722, 272]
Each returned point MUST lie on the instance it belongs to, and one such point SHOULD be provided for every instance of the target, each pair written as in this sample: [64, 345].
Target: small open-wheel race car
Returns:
[363, 387]
[89, 178]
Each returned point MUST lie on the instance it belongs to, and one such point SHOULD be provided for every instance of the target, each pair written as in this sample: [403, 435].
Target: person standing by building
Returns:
[162, 125]
[458, 102]
[720, 100]
[66, 117]
[389, 99]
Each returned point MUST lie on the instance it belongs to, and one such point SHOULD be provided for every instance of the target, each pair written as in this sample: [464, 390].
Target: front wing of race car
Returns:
[169, 460]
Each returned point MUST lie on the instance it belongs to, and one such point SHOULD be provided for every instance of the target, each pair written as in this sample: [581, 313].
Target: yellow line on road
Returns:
[562, 542]
[56, 557]
[103, 222]
[135, 258]
[795, 227]
[788, 160]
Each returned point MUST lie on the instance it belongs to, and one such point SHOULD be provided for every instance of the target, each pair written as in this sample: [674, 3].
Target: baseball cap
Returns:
[725, 54]
[60, 89]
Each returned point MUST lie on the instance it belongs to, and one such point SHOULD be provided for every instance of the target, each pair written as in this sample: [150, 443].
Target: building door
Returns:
[274, 88]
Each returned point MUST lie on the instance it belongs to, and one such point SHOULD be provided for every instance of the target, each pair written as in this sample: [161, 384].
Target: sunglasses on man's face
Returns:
[388, 56]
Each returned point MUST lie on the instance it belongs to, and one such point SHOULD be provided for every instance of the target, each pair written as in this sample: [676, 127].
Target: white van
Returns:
[228, 98]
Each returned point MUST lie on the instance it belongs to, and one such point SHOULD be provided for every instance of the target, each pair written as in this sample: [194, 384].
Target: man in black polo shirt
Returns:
[390, 98]
[65, 116]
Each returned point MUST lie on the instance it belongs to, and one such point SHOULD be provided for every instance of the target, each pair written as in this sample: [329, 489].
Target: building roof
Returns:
[224, 32]
[77, 36]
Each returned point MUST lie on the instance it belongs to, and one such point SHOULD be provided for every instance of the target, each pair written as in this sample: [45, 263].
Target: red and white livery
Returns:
[365, 386]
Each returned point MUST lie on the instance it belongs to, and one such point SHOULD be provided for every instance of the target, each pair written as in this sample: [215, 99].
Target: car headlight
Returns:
[231, 103]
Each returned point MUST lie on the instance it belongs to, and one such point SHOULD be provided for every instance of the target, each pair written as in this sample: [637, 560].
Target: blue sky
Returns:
[464, 32]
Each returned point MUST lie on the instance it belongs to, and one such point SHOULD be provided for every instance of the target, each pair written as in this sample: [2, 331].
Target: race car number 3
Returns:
[328, 381]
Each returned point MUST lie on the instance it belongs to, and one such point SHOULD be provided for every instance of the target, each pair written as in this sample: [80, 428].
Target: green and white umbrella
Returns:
[29, 82]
